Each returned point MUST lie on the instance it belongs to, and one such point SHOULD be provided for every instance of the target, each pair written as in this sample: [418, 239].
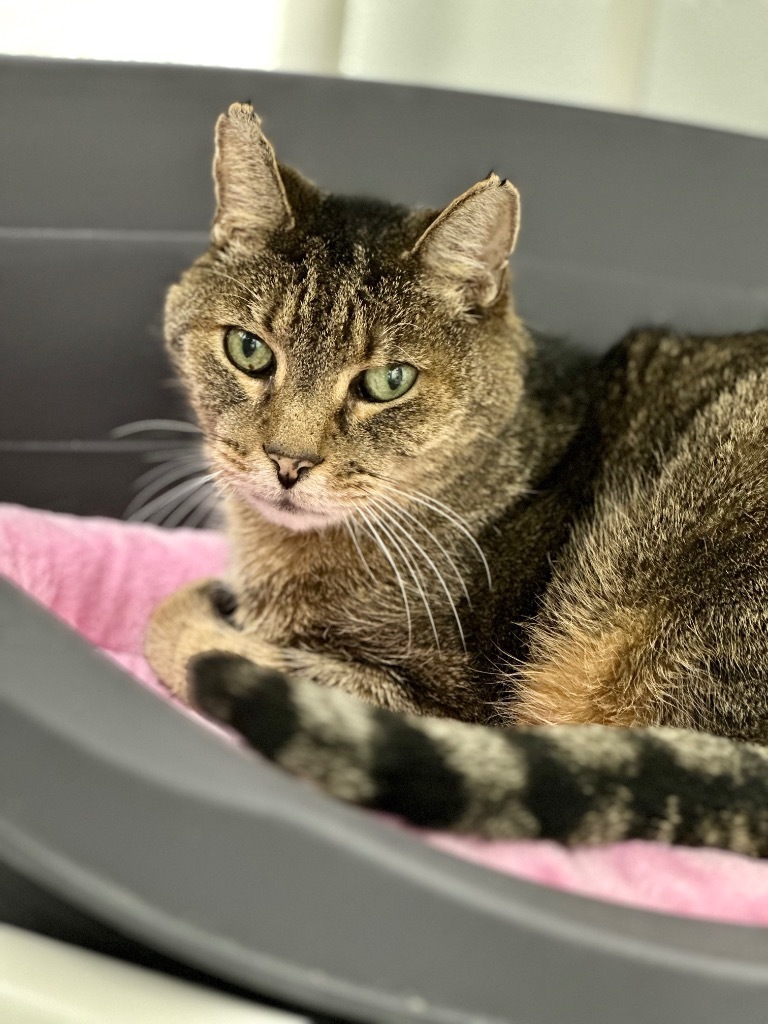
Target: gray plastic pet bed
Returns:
[105, 195]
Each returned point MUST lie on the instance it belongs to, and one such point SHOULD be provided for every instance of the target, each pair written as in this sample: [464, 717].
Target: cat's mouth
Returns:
[286, 504]
[285, 510]
[293, 509]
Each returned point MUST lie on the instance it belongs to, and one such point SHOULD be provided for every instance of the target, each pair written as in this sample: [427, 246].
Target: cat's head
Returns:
[338, 351]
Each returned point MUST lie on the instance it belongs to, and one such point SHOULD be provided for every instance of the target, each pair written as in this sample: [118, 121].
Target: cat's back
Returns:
[655, 610]
[656, 387]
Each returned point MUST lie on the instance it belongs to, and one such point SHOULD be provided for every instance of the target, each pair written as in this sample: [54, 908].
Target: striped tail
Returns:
[574, 784]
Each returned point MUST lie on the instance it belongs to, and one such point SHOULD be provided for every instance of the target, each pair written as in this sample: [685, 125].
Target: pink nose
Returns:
[291, 468]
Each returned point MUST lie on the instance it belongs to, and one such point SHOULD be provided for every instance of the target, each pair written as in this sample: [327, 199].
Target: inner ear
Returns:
[465, 251]
[250, 194]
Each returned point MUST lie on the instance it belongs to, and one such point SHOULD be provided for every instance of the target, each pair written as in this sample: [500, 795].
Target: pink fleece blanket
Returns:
[104, 578]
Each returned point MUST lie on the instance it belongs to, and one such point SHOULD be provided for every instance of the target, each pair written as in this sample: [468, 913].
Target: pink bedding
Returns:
[104, 577]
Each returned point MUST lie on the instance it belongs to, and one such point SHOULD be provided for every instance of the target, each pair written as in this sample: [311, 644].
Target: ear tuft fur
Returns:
[465, 250]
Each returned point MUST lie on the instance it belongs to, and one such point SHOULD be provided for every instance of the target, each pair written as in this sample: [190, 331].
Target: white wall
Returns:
[704, 61]
[579, 51]
[707, 61]
[235, 33]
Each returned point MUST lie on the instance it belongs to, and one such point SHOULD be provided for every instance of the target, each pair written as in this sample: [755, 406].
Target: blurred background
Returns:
[699, 61]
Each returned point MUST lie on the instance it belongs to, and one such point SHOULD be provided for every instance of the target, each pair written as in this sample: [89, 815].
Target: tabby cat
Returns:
[466, 563]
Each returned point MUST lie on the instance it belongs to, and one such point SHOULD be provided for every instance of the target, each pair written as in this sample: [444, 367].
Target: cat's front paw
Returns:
[193, 619]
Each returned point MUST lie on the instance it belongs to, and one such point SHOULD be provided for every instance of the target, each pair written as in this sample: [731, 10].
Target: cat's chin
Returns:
[291, 517]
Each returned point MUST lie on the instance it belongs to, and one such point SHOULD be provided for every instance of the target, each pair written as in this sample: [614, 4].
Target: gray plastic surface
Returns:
[136, 815]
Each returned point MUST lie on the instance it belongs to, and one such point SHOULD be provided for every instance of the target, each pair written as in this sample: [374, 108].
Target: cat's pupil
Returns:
[395, 377]
[248, 344]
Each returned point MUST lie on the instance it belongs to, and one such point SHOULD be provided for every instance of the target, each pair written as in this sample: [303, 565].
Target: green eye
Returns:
[248, 352]
[384, 383]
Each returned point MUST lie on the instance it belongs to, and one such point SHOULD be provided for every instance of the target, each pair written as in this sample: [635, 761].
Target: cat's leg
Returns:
[573, 784]
[198, 619]
[195, 619]
[386, 688]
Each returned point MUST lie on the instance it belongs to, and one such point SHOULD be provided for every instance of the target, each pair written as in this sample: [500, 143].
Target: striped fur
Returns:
[576, 785]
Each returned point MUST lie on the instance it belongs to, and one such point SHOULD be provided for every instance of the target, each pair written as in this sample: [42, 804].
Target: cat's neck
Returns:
[522, 439]
[559, 388]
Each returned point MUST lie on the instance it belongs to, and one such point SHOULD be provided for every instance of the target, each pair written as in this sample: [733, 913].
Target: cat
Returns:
[477, 580]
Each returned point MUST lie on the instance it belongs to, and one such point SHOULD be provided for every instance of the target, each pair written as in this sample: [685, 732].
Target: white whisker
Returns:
[420, 550]
[415, 573]
[147, 426]
[374, 533]
[443, 510]
[350, 527]
[159, 482]
[187, 449]
[204, 513]
[176, 494]
[187, 459]
[400, 511]
[175, 517]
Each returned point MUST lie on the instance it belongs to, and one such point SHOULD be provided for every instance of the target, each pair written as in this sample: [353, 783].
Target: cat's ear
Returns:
[250, 193]
[464, 251]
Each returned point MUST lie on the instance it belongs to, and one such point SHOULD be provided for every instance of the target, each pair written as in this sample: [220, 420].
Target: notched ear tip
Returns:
[507, 185]
[512, 196]
[493, 181]
[243, 111]
[465, 249]
[502, 195]
[485, 189]
[239, 116]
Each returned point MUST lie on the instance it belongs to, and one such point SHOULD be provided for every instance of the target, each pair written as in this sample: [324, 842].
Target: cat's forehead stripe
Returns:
[325, 309]
[267, 315]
